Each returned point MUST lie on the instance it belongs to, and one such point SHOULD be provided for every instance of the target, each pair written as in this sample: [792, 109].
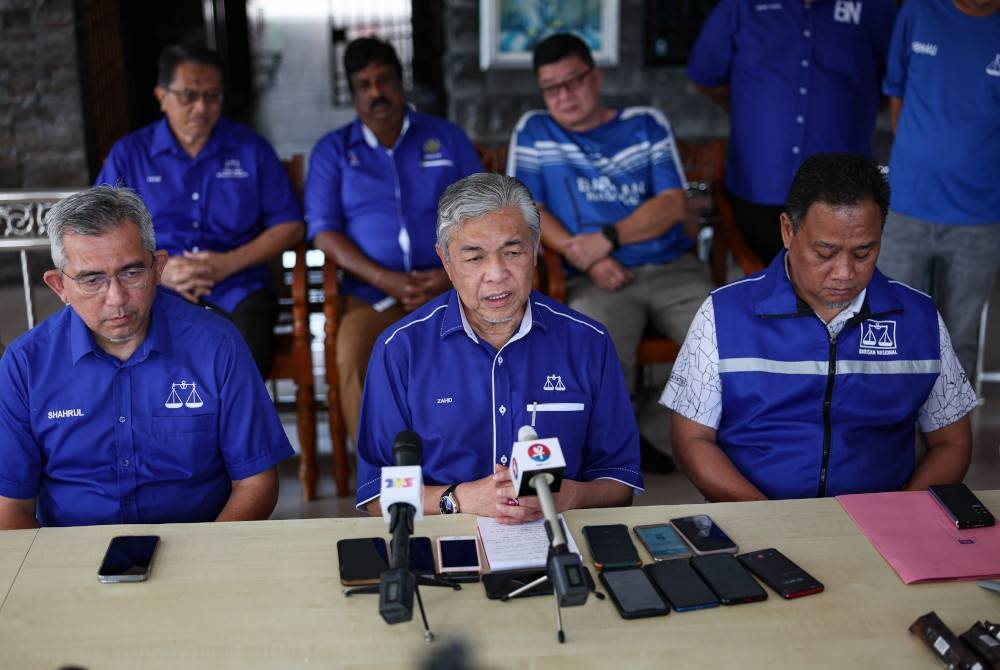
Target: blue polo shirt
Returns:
[803, 78]
[231, 192]
[385, 200]
[945, 65]
[155, 439]
[431, 374]
[598, 177]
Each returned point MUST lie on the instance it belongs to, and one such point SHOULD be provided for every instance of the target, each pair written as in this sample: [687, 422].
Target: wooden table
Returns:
[267, 595]
[14, 545]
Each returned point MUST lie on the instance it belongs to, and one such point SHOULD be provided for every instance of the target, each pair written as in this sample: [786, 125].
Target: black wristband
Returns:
[609, 231]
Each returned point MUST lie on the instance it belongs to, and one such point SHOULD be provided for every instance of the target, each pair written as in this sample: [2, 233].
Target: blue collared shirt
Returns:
[233, 190]
[155, 439]
[430, 373]
[385, 200]
[803, 78]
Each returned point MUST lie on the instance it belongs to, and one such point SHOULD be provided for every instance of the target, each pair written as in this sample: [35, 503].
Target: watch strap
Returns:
[611, 233]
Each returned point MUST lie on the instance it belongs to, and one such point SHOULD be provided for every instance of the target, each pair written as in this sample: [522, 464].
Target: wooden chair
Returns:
[292, 351]
[338, 426]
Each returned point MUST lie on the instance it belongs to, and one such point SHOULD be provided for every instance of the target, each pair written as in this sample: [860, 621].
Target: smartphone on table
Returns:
[633, 594]
[611, 547]
[728, 579]
[780, 573]
[962, 505]
[662, 541]
[128, 558]
[704, 535]
[421, 556]
[683, 588]
[458, 558]
[362, 560]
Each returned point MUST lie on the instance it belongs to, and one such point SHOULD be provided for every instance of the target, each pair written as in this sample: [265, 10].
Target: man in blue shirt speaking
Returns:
[130, 405]
[469, 368]
[221, 200]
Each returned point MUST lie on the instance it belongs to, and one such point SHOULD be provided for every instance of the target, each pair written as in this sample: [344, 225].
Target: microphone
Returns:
[537, 466]
[402, 502]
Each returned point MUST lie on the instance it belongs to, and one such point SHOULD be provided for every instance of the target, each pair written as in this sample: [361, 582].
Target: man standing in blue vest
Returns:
[808, 378]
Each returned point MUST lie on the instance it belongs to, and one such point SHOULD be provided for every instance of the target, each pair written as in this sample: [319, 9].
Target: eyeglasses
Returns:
[129, 279]
[187, 97]
[570, 85]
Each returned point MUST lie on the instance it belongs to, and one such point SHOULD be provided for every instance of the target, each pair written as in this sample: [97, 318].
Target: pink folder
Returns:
[919, 540]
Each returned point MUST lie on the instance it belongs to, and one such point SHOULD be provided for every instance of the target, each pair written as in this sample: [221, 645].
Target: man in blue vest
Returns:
[807, 379]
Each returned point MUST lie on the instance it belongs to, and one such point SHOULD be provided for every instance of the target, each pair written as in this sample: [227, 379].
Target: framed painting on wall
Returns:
[510, 29]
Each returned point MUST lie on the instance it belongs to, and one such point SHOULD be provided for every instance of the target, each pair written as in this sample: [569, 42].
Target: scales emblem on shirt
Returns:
[993, 69]
[553, 383]
[193, 400]
[878, 338]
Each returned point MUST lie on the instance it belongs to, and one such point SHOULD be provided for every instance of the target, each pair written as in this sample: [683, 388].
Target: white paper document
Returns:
[517, 547]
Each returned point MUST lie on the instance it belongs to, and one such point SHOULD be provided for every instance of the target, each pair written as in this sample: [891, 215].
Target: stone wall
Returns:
[488, 104]
[41, 121]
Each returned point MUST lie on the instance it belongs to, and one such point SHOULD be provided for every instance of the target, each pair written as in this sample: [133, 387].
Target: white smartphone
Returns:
[458, 557]
[128, 559]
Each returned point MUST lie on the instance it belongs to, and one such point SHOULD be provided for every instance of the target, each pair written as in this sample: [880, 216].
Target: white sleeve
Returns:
[694, 389]
[952, 396]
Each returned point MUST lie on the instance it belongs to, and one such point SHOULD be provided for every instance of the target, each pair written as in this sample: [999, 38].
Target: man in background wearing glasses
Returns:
[610, 188]
[221, 200]
[130, 405]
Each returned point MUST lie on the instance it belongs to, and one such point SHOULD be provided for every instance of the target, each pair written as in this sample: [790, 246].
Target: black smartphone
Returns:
[728, 578]
[362, 560]
[611, 546]
[683, 588]
[498, 584]
[128, 558]
[962, 505]
[633, 594]
[704, 535]
[421, 556]
[780, 573]
[662, 541]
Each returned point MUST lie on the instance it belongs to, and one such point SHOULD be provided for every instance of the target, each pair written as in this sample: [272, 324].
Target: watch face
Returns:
[448, 503]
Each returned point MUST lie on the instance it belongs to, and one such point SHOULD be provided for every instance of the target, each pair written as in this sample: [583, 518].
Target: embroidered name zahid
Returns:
[65, 413]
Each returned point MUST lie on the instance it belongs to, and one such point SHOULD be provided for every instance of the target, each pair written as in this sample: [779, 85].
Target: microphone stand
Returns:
[563, 568]
[399, 583]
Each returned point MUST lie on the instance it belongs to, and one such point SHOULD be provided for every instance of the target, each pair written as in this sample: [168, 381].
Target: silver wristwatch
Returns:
[449, 503]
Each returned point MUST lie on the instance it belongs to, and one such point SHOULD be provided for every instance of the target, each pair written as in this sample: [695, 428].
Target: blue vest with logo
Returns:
[805, 416]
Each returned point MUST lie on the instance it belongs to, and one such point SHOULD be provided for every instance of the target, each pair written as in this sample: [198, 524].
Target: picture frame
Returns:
[510, 29]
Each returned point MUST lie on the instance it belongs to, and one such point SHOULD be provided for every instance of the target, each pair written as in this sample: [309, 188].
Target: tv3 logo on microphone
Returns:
[399, 482]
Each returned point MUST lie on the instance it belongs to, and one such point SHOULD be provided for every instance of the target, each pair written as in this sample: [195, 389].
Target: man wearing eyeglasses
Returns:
[611, 192]
[220, 197]
[130, 405]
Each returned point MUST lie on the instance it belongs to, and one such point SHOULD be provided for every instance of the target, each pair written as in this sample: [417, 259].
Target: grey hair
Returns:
[480, 194]
[97, 211]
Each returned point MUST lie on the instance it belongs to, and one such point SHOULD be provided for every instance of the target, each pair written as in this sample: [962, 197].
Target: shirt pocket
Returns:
[180, 447]
[566, 417]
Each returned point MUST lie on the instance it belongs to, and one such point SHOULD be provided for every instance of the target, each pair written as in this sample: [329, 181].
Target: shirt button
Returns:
[800, 119]
[503, 460]
[807, 32]
[194, 196]
[194, 224]
[124, 462]
[795, 150]
[502, 410]
[121, 419]
[805, 63]
[500, 360]
[803, 90]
